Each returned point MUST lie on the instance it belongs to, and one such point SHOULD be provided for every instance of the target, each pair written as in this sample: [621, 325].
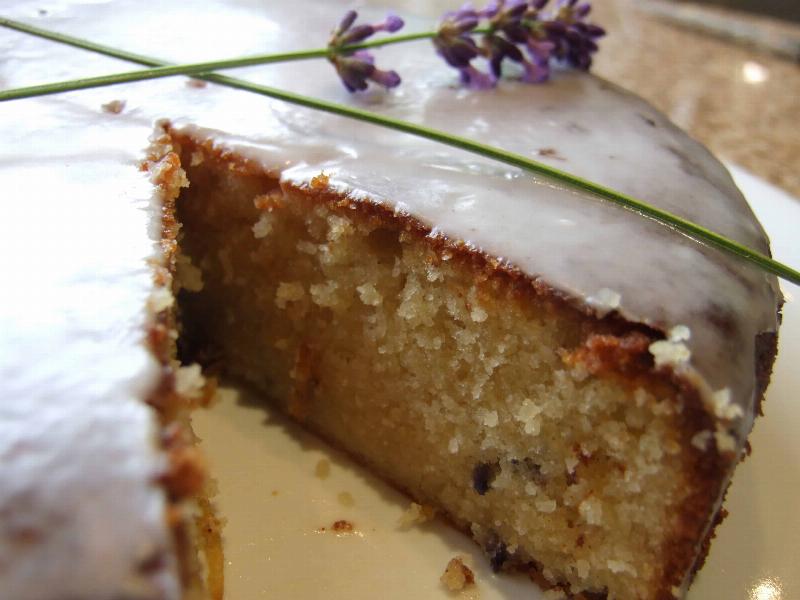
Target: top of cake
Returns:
[76, 256]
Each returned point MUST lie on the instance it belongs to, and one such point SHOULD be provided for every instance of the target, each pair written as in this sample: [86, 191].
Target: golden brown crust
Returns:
[209, 528]
[185, 476]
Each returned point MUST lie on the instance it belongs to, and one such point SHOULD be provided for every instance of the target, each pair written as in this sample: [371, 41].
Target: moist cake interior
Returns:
[540, 430]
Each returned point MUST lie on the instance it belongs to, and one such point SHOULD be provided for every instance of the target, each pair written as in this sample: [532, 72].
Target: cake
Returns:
[568, 383]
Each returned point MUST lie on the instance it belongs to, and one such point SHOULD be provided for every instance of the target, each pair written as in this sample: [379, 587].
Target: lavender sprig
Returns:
[357, 68]
[520, 31]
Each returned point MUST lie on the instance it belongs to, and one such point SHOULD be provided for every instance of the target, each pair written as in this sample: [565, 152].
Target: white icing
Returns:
[75, 251]
[604, 301]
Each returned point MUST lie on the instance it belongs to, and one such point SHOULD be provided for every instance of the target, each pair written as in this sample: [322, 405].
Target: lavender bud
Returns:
[392, 24]
[387, 79]
[347, 21]
[355, 69]
[357, 34]
[477, 80]
[582, 10]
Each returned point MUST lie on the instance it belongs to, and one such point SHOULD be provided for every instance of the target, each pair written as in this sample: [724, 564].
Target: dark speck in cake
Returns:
[596, 595]
[482, 476]
[498, 553]
[572, 477]
[530, 469]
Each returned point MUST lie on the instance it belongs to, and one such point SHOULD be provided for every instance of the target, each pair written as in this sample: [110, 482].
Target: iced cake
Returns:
[568, 383]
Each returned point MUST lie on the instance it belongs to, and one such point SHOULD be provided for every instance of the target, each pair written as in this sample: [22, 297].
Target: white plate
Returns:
[275, 503]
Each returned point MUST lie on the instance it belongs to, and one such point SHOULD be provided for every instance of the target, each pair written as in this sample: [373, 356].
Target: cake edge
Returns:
[191, 515]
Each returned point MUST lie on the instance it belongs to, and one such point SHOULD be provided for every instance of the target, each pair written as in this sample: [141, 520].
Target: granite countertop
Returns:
[738, 98]
[742, 101]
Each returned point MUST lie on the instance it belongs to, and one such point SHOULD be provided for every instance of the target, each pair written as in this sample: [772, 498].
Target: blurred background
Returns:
[781, 9]
[727, 71]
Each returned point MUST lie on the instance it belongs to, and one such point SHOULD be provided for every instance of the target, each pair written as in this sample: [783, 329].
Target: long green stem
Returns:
[667, 219]
[171, 70]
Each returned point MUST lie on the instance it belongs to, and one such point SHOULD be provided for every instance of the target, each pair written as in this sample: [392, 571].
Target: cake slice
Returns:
[568, 440]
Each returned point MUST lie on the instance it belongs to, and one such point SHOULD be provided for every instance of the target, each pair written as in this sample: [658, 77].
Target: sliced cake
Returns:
[570, 384]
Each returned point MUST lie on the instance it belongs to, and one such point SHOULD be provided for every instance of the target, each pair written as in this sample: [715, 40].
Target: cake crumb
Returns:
[189, 381]
[667, 352]
[114, 107]
[288, 291]
[416, 514]
[700, 440]
[619, 566]
[478, 314]
[306, 247]
[196, 159]
[263, 226]
[723, 407]
[725, 441]
[457, 575]
[342, 526]
[161, 299]
[269, 201]
[528, 415]
[319, 182]
[369, 295]
[546, 505]
[324, 294]
[592, 511]
[323, 468]
[188, 277]
[582, 566]
[196, 83]
[555, 594]
[346, 499]
[489, 418]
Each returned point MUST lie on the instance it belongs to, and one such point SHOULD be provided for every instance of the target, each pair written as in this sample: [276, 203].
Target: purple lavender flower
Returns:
[516, 23]
[519, 31]
[573, 38]
[455, 45]
[357, 68]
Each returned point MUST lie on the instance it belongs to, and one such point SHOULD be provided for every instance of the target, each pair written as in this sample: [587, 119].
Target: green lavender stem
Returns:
[675, 222]
[161, 69]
